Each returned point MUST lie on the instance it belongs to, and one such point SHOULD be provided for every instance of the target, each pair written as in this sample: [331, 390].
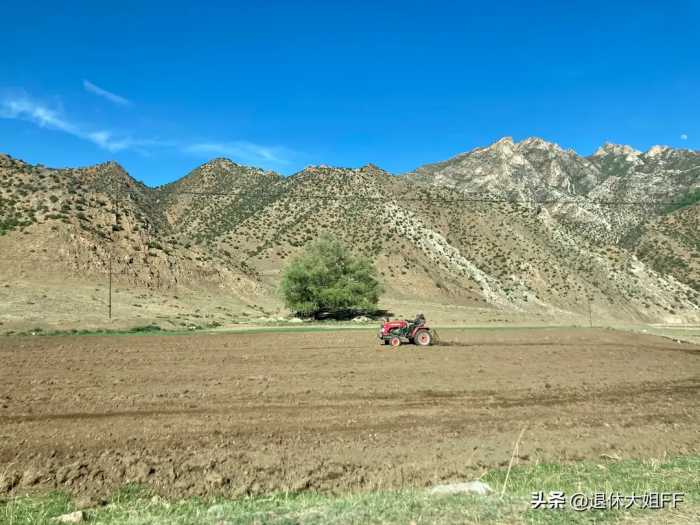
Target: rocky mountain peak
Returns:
[220, 162]
[106, 175]
[504, 146]
[222, 167]
[609, 148]
[505, 141]
[538, 143]
[319, 169]
[371, 167]
[657, 150]
[109, 165]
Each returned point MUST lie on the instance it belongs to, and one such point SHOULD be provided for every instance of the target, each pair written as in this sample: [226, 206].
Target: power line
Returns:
[472, 197]
[493, 200]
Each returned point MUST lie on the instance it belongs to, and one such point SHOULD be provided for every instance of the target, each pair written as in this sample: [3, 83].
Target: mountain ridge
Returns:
[546, 246]
[531, 140]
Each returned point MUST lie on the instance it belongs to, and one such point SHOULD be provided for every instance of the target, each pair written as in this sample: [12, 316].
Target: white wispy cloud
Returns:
[684, 136]
[108, 95]
[21, 106]
[25, 108]
[247, 152]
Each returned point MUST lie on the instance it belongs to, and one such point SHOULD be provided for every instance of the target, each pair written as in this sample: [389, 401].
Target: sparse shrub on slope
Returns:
[690, 198]
[328, 278]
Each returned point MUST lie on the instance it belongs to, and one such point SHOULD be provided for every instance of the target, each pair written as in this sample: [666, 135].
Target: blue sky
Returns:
[163, 87]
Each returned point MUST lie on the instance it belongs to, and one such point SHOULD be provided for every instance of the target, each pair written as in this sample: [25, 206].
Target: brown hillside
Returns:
[209, 248]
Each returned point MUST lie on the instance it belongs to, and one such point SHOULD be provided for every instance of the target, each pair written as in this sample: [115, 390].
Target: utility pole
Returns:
[590, 313]
[115, 198]
[110, 282]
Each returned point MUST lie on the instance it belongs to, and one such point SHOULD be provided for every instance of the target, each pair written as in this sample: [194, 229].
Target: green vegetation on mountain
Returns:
[436, 235]
[690, 198]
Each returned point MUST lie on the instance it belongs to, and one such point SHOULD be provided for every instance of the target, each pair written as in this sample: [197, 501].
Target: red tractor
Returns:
[404, 331]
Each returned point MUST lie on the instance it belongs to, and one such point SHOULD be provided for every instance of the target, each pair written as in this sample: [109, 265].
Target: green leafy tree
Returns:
[327, 277]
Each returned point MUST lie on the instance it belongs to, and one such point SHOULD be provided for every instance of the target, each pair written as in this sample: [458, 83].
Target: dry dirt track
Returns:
[248, 413]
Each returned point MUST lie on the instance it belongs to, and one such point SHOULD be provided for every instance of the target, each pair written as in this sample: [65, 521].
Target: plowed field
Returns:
[248, 413]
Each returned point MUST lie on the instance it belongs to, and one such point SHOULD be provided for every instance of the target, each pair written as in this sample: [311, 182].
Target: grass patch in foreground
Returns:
[134, 505]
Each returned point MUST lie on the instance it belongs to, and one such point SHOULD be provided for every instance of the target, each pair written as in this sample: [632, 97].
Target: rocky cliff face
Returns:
[531, 169]
[607, 198]
[540, 170]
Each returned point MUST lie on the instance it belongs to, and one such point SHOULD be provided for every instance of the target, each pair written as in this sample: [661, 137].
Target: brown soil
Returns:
[249, 413]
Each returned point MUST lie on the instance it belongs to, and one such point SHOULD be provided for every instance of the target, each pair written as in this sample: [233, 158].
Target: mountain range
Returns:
[516, 230]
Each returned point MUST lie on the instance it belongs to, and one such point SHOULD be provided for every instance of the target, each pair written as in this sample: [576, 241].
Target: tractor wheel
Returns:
[395, 342]
[423, 338]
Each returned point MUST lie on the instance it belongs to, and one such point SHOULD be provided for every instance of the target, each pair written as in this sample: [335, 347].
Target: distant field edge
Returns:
[277, 328]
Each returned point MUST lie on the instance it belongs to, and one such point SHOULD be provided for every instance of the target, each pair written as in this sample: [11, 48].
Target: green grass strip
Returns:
[137, 505]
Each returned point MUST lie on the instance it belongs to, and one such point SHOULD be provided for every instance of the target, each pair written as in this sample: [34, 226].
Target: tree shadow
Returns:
[349, 314]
